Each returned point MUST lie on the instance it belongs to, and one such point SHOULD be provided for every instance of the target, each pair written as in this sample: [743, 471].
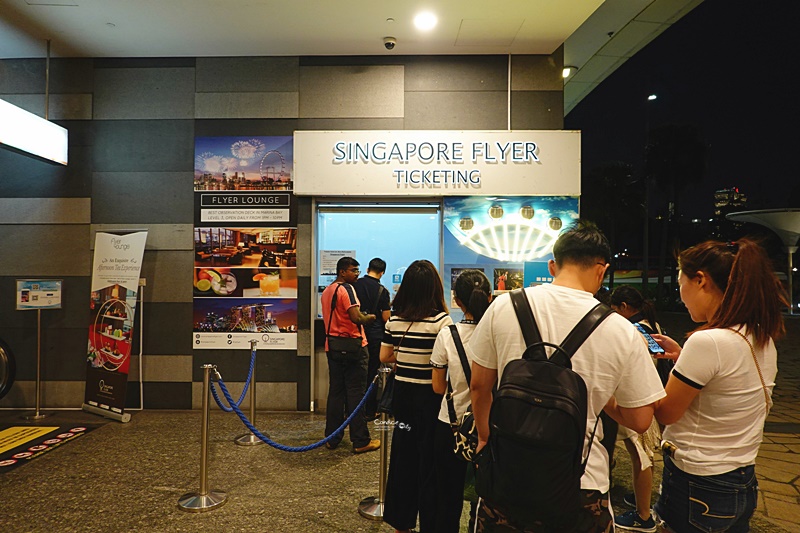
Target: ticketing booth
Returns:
[492, 200]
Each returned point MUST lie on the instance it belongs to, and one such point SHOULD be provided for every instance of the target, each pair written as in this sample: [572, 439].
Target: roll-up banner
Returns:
[112, 308]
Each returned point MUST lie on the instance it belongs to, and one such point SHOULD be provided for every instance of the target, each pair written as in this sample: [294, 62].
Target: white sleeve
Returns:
[699, 360]
[640, 384]
[439, 354]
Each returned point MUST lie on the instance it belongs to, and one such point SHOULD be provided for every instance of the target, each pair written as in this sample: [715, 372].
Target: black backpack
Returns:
[531, 467]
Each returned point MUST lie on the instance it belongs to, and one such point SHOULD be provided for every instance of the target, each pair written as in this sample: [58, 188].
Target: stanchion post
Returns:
[249, 439]
[204, 500]
[38, 415]
[372, 507]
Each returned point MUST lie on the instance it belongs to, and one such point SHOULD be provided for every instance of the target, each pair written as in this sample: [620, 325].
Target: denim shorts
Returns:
[724, 502]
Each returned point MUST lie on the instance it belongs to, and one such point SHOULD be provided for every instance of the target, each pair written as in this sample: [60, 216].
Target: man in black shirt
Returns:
[374, 299]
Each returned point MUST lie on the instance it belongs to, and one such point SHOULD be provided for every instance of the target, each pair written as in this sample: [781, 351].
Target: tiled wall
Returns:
[132, 124]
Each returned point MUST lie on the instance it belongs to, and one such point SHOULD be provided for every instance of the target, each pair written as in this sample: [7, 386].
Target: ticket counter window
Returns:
[398, 234]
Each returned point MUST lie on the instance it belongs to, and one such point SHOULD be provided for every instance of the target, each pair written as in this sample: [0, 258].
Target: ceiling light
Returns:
[568, 71]
[32, 134]
[652, 97]
[425, 21]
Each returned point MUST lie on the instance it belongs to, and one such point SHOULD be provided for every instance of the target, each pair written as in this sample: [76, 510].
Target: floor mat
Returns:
[22, 444]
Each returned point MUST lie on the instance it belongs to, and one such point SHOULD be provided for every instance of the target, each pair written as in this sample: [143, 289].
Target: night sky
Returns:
[727, 68]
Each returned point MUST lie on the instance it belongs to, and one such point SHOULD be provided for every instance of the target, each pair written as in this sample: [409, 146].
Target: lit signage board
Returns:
[32, 134]
[437, 163]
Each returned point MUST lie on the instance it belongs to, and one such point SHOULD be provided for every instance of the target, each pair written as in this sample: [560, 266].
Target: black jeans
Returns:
[347, 383]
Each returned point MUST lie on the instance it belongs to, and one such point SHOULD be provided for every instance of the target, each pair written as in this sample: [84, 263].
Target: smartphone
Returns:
[652, 345]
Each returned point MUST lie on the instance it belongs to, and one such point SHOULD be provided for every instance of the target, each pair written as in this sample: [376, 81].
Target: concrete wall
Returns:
[132, 124]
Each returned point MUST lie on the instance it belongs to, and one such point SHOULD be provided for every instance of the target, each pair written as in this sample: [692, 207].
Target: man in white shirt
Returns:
[613, 361]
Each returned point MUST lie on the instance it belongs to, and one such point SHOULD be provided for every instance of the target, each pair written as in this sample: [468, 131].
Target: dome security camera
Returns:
[389, 43]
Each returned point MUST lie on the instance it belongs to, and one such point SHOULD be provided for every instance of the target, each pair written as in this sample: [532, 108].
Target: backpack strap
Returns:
[584, 328]
[333, 308]
[527, 323]
[462, 356]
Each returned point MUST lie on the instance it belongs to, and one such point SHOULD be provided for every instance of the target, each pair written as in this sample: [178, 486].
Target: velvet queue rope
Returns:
[244, 390]
[283, 447]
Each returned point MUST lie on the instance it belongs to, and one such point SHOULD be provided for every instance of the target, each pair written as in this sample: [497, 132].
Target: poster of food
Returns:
[505, 237]
[244, 279]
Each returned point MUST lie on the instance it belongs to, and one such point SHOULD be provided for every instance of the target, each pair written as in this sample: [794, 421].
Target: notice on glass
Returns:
[329, 258]
[38, 294]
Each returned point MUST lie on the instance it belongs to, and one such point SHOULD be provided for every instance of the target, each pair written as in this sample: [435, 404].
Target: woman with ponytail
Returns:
[472, 295]
[719, 393]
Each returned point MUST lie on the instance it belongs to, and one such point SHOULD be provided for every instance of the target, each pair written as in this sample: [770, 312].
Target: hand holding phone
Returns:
[652, 345]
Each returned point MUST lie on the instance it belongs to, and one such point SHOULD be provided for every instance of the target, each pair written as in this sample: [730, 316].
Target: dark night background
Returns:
[723, 77]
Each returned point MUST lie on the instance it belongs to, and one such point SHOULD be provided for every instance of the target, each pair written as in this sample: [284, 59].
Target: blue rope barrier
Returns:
[283, 447]
[244, 390]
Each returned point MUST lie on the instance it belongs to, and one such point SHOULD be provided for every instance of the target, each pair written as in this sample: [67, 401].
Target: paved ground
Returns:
[128, 477]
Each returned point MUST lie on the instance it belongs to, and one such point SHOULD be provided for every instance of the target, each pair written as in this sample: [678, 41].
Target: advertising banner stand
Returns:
[38, 295]
[115, 285]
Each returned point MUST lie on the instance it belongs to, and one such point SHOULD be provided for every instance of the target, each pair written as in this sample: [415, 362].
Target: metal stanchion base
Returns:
[193, 502]
[371, 508]
[35, 416]
[248, 439]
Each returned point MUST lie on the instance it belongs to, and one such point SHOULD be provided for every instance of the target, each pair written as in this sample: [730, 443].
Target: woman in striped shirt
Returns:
[419, 312]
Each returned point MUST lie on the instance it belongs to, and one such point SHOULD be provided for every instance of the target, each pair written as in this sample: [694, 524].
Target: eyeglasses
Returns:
[354, 270]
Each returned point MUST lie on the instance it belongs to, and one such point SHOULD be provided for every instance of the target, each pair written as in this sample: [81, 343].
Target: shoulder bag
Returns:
[343, 349]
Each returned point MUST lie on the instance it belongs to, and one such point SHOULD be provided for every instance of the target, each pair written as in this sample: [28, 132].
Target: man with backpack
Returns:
[533, 471]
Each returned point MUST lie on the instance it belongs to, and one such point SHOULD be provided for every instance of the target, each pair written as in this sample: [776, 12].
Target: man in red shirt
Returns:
[342, 316]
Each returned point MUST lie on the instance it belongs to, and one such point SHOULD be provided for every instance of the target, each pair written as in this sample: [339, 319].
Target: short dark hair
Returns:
[377, 265]
[583, 244]
[344, 263]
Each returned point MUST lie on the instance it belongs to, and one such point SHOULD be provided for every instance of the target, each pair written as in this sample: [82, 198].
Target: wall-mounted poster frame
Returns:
[245, 243]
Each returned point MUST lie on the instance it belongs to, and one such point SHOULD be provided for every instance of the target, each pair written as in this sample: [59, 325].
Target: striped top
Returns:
[414, 354]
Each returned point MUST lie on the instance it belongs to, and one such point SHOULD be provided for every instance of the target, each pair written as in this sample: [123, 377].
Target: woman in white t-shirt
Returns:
[473, 294]
[719, 393]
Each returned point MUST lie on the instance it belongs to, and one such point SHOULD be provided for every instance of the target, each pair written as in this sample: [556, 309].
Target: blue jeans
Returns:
[724, 502]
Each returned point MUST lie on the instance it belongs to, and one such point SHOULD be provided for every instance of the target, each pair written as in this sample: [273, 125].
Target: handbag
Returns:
[465, 432]
[387, 394]
[344, 349]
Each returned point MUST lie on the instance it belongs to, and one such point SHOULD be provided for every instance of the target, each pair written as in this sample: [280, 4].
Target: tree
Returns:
[675, 157]
[610, 198]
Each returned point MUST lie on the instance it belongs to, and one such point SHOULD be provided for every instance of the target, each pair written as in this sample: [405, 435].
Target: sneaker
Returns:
[373, 445]
[630, 500]
[631, 521]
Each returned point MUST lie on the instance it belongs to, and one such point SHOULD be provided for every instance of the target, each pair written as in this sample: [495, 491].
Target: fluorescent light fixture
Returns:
[32, 134]
[425, 21]
[568, 71]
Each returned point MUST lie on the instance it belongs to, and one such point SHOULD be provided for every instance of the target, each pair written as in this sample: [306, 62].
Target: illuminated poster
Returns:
[509, 238]
[245, 242]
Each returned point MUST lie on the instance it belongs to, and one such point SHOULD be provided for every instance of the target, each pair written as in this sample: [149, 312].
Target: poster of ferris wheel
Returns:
[243, 163]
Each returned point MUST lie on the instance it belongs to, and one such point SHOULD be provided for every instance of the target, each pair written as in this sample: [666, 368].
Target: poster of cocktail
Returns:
[116, 269]
[504, 236]
[244, 279]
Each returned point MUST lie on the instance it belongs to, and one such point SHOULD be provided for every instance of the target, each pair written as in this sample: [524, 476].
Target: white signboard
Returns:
[437, 163]
[38, 294]
[118, 260]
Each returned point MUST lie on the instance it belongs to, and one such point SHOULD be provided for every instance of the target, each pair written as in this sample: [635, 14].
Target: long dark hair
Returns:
[751, 292]
[629, 295]
[421, 294]
[473, 289]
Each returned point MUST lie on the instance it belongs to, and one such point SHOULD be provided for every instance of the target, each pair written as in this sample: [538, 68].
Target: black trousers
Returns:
[450, 472]
[374, 349]
[411, 484]
[346, 386]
